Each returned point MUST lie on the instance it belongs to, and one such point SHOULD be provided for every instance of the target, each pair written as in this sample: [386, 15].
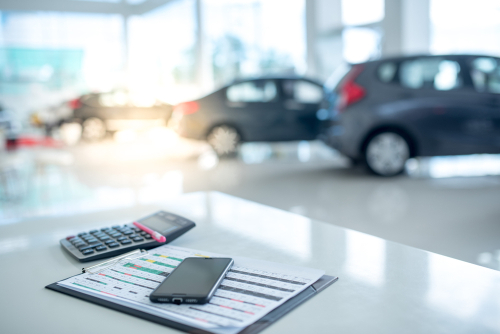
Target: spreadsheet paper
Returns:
[250, 290]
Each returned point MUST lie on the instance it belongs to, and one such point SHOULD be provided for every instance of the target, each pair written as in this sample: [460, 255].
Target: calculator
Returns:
[115, 240]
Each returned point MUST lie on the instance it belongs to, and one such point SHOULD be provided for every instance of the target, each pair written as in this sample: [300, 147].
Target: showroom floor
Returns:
[429, 209]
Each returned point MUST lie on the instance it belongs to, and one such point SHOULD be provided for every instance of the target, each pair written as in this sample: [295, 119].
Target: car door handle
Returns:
[232, 104]
[293, 105]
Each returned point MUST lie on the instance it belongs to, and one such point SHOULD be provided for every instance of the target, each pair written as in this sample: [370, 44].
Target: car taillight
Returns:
[75, 104]
[187, 108]
[349, 91]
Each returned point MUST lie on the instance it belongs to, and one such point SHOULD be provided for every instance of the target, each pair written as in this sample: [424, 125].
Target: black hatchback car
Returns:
[263, 109]
[384, 112]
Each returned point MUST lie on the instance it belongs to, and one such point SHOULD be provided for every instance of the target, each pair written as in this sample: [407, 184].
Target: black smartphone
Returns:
[194, 281]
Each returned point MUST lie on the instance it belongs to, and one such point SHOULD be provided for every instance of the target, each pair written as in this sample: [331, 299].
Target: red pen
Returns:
[157, 236]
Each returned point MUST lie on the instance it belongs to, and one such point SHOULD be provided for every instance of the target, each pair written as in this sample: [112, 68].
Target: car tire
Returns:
[224, 140]
[386, 153]
[93, 129]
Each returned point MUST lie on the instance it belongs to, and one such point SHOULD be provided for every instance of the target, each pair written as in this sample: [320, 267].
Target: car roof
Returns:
[401, 58]
[273, 77]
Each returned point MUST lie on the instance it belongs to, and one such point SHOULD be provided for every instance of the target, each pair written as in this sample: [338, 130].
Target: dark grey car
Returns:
[386, 111]
[263, 109]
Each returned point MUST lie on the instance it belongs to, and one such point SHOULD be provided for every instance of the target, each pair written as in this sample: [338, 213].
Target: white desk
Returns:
[383, 287]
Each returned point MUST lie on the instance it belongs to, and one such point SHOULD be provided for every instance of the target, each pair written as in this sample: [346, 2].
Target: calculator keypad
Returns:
[108, 238]
[115, 240]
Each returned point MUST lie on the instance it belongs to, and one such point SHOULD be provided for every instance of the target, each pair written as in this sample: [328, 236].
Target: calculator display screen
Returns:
[159, 224]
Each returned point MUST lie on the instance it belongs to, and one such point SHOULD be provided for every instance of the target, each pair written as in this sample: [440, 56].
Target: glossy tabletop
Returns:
[383, 287]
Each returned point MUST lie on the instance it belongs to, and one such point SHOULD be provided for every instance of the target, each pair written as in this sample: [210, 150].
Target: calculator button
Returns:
[73, 240]
[125, 242]
[148, 236]
[93, 241]
[132, 236]
[84, 248]
[92, 245]
[113, 245]
[143, 233]
[77, 242]
[128, 232]
[80, 244]
[101, 248]
[104, 238]
[115, 227]
[82, 234]
[105, 229]
[70, 237]
[138, 239]
[88, 251]
[122, 238]
[110, 241]
[136, 229]
[93, 231]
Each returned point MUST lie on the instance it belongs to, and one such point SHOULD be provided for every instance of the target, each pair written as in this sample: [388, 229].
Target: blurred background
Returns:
[107, 104]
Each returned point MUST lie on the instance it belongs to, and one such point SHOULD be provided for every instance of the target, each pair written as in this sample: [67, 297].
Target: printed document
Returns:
[250, 290]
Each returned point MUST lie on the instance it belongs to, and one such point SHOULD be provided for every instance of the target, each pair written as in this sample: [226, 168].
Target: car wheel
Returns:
[386, 154]
[224, 139]
[93, 129]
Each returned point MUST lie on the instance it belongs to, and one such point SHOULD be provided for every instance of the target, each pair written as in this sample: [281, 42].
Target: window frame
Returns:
[462, 74]
[468, 63]
[277, 86]
[287, 96]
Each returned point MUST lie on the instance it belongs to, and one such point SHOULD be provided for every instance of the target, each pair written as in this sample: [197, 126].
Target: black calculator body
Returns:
[115, 240]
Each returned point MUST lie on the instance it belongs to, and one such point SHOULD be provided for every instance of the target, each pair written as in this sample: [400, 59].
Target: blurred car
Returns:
[10, 128]
[117, 110]
[384, 112]
[261, 109]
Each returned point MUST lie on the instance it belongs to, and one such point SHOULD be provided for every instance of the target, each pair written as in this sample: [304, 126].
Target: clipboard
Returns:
[254, 328]
[264, 322]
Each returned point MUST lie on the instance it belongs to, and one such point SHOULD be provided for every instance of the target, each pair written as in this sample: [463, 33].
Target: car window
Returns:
[485, 73]
[435, 73]
[114, 99]
[386, 71]
[252, 91]
[302, 91]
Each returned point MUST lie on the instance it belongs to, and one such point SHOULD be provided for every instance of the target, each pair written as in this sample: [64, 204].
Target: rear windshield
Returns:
[333, 81]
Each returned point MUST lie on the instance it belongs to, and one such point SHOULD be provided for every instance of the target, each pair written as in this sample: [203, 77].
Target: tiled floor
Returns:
[454, 216]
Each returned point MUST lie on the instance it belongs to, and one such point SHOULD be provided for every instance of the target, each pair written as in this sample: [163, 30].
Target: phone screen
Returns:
[194, 277]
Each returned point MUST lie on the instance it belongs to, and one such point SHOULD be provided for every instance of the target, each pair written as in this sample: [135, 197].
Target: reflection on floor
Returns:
[430, 208]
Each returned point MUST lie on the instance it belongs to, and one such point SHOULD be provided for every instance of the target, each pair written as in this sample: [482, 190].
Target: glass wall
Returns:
[254, 37]
[464, 26]
[52, 56]
[361, 42]
[162, 52]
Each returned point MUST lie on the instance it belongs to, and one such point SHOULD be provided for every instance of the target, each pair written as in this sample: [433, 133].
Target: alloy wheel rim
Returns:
[224, 139]
[387, 153]
[93, 128]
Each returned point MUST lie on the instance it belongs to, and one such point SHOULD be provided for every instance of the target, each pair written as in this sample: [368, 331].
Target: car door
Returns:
[251, 106]
[485, 97]
[301, 100]
[114, 107]
[443, 107]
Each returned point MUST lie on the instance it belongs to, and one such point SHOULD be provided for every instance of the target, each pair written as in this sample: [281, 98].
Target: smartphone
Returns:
[194, 281]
